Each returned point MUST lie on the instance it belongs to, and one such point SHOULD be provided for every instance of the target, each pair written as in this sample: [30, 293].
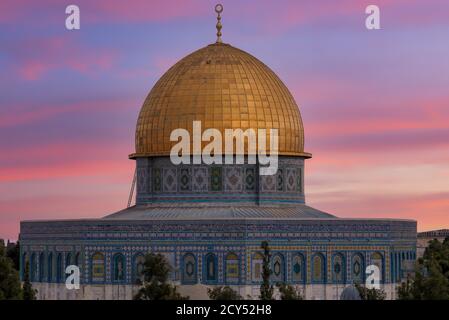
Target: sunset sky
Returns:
[375, 104]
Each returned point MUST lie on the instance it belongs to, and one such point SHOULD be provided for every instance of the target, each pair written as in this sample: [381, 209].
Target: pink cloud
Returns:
[271, 16]
[56, 206]
[102, 11]
[435, 207]
[143, 10]
[34, 58]
[76, 169]
[25, 114]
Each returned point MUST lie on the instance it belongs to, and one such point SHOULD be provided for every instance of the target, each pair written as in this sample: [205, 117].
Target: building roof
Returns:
[442, 233]
[299, 211]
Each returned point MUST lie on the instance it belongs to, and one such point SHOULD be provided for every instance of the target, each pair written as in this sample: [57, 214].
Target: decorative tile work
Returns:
[268, 183]
[191, 180]
[142, 185]
[288, 262]
[299, 181]
[233, 179]
[184, 179]
[216, 180]
[200, 179]
[157, 180]
[170, 180]
[280, 180]
[250, 179]
[290, 181]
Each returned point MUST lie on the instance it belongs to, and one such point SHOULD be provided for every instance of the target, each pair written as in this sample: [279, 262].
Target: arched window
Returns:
[24, 263]
[377, 260]
[119, 265]
[277, 265]
[298, 269]
[138, 267]
[256, 267]
[68, 259]
[68, 262]
[77, 259]
[232, 268]
[33, 267]
[338, 268]
[59, 268]
[41, 267]
[50, 267]
[189, 269]
[97, 271]
[358, 268]
[318, 268]
[210, 268]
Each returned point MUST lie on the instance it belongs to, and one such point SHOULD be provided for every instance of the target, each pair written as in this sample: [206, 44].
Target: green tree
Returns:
[223, 293]
[288, 292]
[266, 289]
[10, 288]
[156, 284]
[431, 278]
[405, 290]
[13, 252]
[370, 294]
[28, 292]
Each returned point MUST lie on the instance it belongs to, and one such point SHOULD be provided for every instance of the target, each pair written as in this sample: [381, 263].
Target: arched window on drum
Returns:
[33, 267]
[338, 268]
[298, 269]
[138, 268]
[41, 267]
[232, 268]
[25, 261]
[77, 261]
[59, 268]
[210, 268]
[358, 268]
[377, 260]
[68, 262]
[189, 269]
[256, 267]
[97, 267]
[119, 267]
[278, 268]
[50, 267]
[318, 268]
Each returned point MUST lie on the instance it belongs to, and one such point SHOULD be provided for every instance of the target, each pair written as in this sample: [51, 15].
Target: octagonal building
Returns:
[210, 220]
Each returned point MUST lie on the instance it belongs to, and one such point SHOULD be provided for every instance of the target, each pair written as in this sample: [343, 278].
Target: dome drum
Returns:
[159, 181]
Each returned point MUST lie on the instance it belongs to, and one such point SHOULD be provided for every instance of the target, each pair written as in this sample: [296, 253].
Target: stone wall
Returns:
[195, 292]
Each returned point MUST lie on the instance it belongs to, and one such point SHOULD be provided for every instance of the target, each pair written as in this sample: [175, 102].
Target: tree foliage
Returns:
[156, 284]
[28, 292]
[266, 289]
[370, 293]
[223, 293]
[288, 292]
[431, 278]
[10, 288]
[13, 252]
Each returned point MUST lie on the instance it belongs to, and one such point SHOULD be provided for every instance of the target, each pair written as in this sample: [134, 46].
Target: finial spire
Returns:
[219, 10]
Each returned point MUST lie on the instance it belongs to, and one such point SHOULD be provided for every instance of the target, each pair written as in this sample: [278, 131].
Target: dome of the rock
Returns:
[209, 219]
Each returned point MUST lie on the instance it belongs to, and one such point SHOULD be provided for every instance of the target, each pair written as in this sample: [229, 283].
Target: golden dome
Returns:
[224, 88]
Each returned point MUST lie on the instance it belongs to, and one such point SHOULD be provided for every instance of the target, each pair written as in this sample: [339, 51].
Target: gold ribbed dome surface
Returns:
[224, 88]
